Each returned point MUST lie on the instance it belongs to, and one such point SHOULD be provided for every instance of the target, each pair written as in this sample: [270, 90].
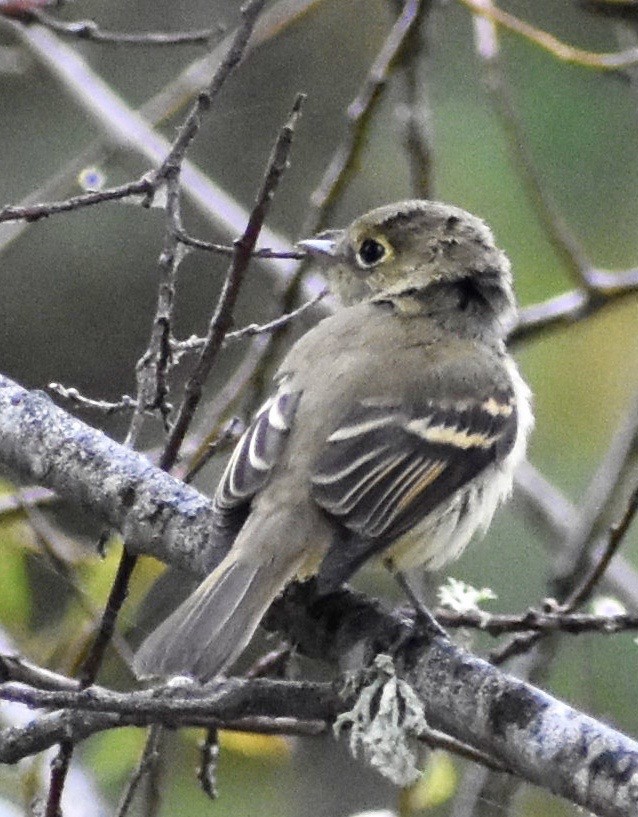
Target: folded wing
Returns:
[387, 466]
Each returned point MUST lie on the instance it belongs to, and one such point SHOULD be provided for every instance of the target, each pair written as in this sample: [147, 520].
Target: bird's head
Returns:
[410, 252]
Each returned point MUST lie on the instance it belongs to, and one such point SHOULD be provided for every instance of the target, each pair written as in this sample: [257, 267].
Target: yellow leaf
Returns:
[251, 744]
[435, 787]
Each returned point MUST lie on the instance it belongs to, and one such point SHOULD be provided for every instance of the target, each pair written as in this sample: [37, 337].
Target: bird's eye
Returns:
[371, 252]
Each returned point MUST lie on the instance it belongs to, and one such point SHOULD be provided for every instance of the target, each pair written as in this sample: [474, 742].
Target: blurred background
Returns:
[77, 296]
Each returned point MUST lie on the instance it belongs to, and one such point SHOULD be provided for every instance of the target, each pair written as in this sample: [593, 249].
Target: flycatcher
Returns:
[393, 430]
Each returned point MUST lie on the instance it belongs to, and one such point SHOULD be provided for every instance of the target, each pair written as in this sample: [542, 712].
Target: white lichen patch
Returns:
[384, 724]
[461, 597]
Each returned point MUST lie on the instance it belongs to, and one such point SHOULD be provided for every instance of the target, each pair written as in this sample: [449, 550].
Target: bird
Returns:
[392, 433]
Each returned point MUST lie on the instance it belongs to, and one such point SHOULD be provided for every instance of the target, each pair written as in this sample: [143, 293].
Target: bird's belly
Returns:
[443, 535]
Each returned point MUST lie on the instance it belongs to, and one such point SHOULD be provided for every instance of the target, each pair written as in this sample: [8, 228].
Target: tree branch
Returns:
[541, 739]
[157, 513]
[258, 705]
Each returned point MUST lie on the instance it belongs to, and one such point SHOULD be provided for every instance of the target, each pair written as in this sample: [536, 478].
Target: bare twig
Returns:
[214, 415]
[570, 250]
[524, 642]
[228, 437]
[76, 398]
[90, 30]
[16, 668]
[153, 368]
[358, 114]
[143, 187]
[59, 771]
[124, 128]
[555, 516]
[224, 249]
[576, 571]
[147, 762]
[414, 114]
[19, 742]
[233, 57]
[26, 498]
[597, 508]
[552, 620]
[439, 740]
[90, 667]
[582, 592]
[207, 772]
[223, 316]
[562, 51]
[194, 344]
[225, 704]
[152, 389]
[563, 310]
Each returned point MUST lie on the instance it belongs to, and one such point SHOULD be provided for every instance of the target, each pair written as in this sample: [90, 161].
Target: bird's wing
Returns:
[387, 466]
[253, 459]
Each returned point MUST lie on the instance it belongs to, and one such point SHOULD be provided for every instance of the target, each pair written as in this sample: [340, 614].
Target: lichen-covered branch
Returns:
[155, 512]
[541, 739]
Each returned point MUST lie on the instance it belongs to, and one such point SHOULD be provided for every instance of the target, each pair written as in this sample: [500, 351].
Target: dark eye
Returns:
[370, 252]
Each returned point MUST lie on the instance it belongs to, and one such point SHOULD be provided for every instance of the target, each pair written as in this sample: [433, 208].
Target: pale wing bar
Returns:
[412, 460]
[253, 459]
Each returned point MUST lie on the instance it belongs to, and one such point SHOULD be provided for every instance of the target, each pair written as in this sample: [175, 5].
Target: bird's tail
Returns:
[209, 630]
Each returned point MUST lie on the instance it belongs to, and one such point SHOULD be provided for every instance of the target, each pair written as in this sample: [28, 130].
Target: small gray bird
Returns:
[393, 431]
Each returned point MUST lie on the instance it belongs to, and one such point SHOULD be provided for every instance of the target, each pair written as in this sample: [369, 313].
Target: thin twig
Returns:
[358, 114]
[523, 643]
[539, 621]
[26, 497]
[90, 30]
[582, 592]
[228, 437]
[61, 763]
[19, 742]
[570, 307]
[153, 367]
[439, 740]
[228, 701]
[122, 126]
[233, 57]
[76, 398]
[414, 114]
[16, 668]
[569, 249]
[571, 564]
[554, 516]
[34, 212]
[147, 762]
[207, 772]
[223, 316]
[225, 249]
[224, 401]
[562, 51]
[59, 771]
[194, 344]
[152, 389]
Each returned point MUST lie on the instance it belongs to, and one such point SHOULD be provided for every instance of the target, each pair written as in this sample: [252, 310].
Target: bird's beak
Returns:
[322, 246]
[318, 246]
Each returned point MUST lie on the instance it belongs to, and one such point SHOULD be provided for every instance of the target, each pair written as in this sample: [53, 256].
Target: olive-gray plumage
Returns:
[393, 430]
